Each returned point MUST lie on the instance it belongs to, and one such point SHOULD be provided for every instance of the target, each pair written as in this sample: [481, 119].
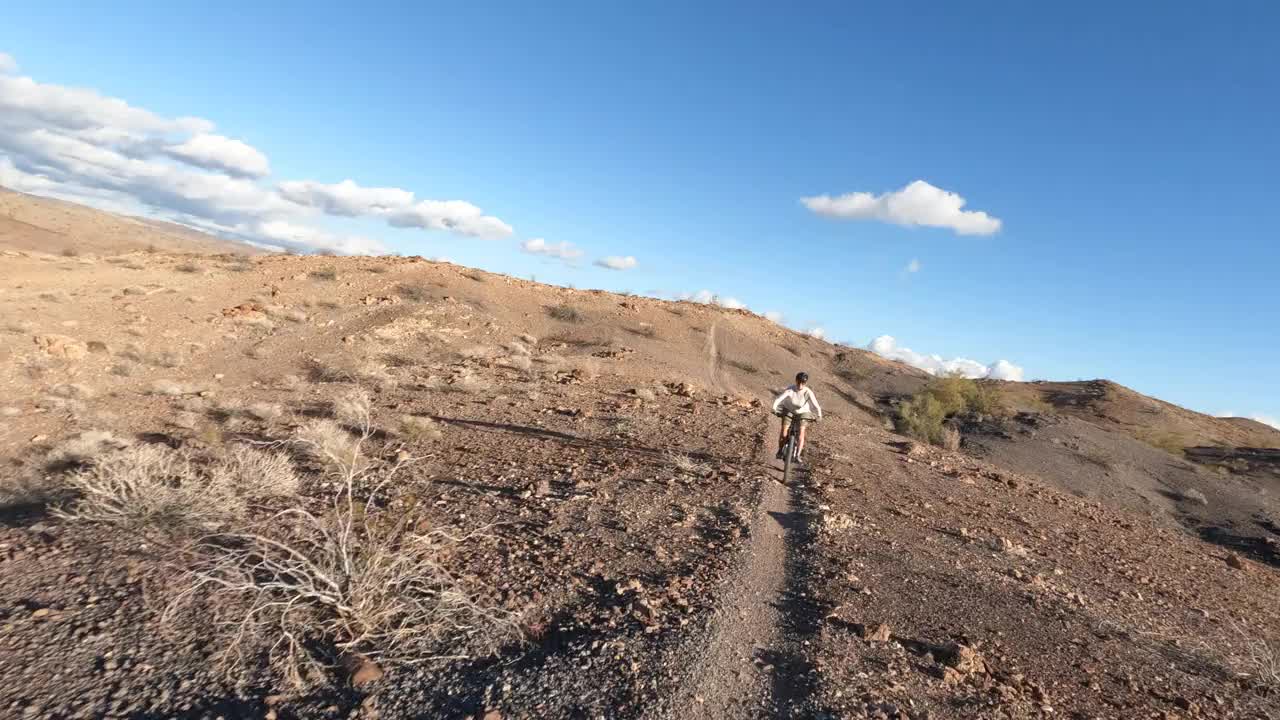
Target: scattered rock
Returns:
[1234, 561]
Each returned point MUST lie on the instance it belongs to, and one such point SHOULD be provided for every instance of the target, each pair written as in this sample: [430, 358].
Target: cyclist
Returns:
[797, 401]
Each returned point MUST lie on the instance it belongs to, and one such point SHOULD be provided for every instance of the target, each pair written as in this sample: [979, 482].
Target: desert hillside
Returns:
[276, 486]
[40, 224]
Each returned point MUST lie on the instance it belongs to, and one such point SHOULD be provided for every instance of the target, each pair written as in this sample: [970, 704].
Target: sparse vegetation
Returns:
[687, 464]
[83, 449]
[414, 293]
[743, 366]
[419, 427]
[353, 580]
[924, 416]
[188, 267]
[565, 313]
[1171, 443]
[327, 274]
[264, 412]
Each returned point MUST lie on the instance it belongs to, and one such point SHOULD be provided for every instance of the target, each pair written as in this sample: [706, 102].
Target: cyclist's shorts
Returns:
[803, 418]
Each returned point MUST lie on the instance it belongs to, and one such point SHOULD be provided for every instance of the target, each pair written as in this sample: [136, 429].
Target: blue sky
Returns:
[1128, 151]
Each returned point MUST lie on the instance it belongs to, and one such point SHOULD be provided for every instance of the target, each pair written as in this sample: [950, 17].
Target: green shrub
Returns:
[924, 416]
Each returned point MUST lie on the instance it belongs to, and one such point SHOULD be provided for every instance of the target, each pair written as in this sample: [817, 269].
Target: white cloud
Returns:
[346, 197]
[774, 316]
[919, 203]
[913, 266]
[817, 332]
[707, 297]
[887, 346]
[561, 250]
[216, 152]
[80, 145]
[398, 207]
[302, 236]
[615, 262]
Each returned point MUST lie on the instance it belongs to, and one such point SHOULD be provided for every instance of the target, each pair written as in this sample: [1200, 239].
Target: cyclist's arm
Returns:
[777, 402]
[814, 399]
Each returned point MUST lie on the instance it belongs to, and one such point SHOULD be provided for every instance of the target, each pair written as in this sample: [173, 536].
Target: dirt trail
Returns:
[743, 667]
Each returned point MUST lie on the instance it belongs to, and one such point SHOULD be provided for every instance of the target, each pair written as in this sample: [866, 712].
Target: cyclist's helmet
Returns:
[802, 377]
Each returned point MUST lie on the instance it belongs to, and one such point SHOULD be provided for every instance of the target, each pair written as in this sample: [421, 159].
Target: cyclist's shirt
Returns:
[798, 400]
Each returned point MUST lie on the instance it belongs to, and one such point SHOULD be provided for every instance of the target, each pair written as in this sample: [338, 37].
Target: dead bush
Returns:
[257, 473]
[346, 369]
[149, 485]
[55, 296]
[264, 412]
[329, 444]
[172, 388]
[351, 581]
[688, 465]
[188, 267]
[565, 313]
[419, 427]
[355, 410]
[414, 293]
[83, 449]
[327, 274]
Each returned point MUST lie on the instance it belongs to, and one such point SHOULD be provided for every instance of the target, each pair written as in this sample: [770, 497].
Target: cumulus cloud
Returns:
[217, 152]
[887, 346]
[346, 197]
[774, 316]
[917, 204]
[707, 297]
[294, 236]
[816, 332]
[616, 262]
[400, 208]
[80, 145]
[913, 266]
[561, 250]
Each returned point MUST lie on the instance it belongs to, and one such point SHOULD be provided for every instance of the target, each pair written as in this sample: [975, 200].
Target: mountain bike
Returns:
[791, 447]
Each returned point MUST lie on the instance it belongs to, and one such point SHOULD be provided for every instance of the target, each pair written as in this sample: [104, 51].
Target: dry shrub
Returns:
[414, 293]
[170, 359]
[83, 449]
[134, 290]
[687, 464]
[188, 267]
[172, 388]
[257, 322]
[20, 490]
[352, 581]
[565, 313]
[420, 428]
[329, 444]
[327, 274]
[257, 473]
[19, 327]
[72, 391]
[151, 485]
[343, 368]
[355, 409]
[517, 362]
[56, 296]
[264, 412]
[645, 394]
[124, 369]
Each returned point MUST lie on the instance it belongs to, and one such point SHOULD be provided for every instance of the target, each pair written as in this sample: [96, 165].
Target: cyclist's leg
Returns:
[804, 427]
[782, 436]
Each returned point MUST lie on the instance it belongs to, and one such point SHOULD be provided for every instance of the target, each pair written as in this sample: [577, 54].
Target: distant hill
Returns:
[34, 223]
